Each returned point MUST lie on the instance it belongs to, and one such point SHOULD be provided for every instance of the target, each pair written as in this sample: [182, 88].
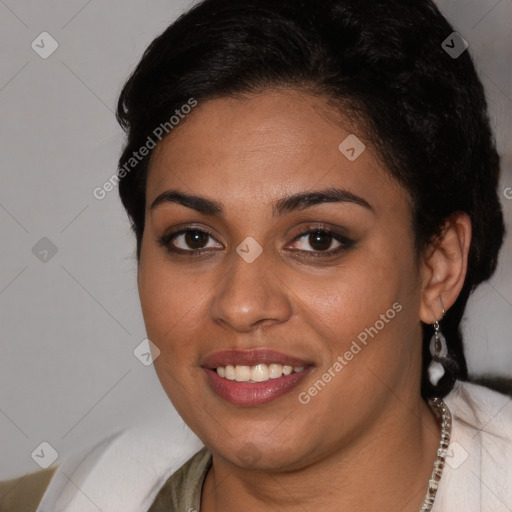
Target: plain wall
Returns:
[69, 325]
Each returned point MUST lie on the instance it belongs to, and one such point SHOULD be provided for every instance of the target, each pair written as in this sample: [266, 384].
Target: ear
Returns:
[444, 266]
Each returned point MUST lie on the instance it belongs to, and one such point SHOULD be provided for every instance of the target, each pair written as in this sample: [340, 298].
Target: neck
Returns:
[388, 466]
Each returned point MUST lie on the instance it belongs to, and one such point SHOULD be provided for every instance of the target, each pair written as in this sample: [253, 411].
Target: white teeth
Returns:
[257, 373]
[275, 371]
[230, 372]
[242, 373]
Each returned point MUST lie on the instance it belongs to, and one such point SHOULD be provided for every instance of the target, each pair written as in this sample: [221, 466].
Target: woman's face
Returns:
[263, 282]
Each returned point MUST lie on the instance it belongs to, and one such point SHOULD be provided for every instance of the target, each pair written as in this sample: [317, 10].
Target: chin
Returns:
[262, 455]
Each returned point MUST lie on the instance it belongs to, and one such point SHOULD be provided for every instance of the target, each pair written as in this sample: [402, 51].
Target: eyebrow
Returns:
[287, 204]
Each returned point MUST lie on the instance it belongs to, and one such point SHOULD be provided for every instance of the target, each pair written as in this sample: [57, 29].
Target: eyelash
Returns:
[346, 243]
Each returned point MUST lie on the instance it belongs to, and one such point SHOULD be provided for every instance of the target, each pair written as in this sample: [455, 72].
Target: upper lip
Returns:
[251, 358]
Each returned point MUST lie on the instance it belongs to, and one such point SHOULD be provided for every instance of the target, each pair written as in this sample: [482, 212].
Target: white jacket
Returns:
[478, 472]
[125, 471]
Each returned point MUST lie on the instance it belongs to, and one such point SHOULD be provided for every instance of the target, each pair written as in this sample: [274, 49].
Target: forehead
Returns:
[256, 148]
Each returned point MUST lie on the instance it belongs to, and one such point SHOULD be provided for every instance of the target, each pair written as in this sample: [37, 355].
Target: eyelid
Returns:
[166, 239]
[345, 242]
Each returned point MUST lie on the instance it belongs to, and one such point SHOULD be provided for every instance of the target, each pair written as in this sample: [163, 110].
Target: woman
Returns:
[312, 187]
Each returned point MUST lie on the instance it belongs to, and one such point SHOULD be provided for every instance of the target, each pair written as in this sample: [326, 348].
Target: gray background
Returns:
[70, 323]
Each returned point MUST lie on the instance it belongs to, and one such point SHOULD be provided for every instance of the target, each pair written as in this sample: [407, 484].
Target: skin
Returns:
[367, 441]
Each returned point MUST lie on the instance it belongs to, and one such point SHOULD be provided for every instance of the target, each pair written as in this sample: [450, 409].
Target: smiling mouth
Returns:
[257, 373]
[251, 378]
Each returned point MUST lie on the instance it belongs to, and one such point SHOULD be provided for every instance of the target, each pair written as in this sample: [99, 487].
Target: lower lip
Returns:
[251, 394]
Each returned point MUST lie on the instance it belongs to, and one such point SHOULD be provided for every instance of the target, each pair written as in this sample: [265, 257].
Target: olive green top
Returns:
[182, 491]
[24, 493]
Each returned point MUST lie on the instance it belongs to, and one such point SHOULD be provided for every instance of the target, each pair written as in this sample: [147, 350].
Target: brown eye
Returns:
[188, 241]
[323, 242]
[195, 239]
[320, 240]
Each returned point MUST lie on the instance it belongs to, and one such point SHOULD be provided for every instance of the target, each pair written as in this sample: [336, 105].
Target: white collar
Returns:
[477, 475]
[126, 470]
[122, 472]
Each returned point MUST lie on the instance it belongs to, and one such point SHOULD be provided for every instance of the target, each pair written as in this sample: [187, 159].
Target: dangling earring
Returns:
[438, 349]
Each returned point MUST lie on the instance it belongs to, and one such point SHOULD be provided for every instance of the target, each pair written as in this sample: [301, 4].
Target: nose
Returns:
[251, 295]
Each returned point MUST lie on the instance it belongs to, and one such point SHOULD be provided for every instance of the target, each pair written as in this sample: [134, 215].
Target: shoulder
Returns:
[497, 383]
[122, 471]
[482, 409]
[182, 490]
[478, 468]
[25, 492]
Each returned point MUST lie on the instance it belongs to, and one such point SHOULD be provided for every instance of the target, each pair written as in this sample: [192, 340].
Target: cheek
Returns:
[171, 304]
[365, 308]
[170, 300]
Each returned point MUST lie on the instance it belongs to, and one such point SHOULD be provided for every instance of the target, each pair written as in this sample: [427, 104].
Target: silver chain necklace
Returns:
[441, 410]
